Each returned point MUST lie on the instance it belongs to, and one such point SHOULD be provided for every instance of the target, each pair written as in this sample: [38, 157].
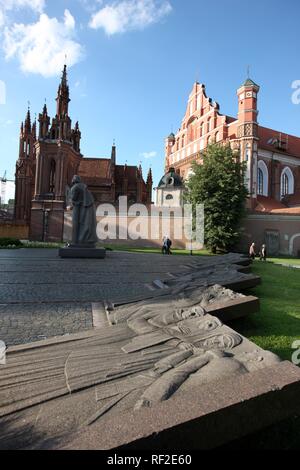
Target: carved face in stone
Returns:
[220, 341]
[198, 326]
[169, 318]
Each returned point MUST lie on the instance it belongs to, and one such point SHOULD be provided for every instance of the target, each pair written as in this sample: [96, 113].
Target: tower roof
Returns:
[249, 82]
[171, 179]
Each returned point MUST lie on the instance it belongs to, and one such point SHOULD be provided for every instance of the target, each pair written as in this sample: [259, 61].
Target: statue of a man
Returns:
[84, 215]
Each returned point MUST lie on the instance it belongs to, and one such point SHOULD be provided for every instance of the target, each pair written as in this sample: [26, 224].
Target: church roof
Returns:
[95, 171]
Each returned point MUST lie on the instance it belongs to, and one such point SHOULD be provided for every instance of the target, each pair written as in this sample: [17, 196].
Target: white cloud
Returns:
[41, 47]
[128, 15]
[6, 6]
[35, 5]
[148, 155]
[2, 18]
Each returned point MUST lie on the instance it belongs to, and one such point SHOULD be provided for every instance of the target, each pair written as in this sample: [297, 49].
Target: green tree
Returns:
[218, 183]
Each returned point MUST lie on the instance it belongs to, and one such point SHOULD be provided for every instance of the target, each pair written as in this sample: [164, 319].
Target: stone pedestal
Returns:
[81, 251]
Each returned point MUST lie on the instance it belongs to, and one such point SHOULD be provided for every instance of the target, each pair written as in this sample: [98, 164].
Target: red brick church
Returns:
[48, 161]
[273, 163]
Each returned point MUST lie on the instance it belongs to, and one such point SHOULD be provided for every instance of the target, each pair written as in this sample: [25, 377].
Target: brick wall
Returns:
[14, 230]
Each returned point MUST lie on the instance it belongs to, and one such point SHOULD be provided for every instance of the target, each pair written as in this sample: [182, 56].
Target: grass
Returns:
[274, 328]
[155, 250]
[28, 244]
[283, 260]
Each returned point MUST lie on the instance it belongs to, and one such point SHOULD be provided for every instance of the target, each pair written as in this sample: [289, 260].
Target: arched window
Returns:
[217, 136]
[169, 197]
[262, 178]
[182, 141]
[287, 182]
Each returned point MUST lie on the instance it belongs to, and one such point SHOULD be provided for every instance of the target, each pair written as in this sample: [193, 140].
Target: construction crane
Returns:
[3, 186]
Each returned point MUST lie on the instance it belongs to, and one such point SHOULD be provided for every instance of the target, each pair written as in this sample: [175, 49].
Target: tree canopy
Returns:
[218, 182]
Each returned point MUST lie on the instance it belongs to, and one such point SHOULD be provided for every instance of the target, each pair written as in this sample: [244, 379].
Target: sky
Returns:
[132, 64]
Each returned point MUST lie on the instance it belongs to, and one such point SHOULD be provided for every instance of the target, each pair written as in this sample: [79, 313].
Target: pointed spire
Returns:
[149, 177]
[113, 153]
[64, 80]
[63, 95]
[28, 120]
[140, 170]
[45, 110]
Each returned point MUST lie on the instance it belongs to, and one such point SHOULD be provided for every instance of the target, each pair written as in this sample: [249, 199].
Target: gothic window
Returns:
[182, 141]
[52, 176]
[262, 178]
[287, 182]
[28, 148]
[217, 136]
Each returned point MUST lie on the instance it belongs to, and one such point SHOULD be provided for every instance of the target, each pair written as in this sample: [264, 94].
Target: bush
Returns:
[10, 243]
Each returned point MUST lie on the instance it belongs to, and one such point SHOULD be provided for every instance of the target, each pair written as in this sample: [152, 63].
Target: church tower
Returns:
[25, 170]
[57, 160]
[247, 134]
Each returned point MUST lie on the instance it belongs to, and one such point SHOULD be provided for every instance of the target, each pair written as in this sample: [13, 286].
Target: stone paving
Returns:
[42, 295]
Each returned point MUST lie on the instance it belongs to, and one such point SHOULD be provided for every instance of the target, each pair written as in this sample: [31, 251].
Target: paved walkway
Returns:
[42, 295]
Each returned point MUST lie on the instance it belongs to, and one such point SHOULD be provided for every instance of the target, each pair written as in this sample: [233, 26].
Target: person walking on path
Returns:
[164, 249]
[252, 253]
[169, 244]
[263, 253]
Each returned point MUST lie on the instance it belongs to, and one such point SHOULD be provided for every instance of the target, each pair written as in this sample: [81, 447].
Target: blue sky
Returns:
[133, 64]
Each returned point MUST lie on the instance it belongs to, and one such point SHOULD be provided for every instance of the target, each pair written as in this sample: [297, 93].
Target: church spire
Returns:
[113, 153]
[149, 177]
[63, 95]
[28, 121]
[44, 122]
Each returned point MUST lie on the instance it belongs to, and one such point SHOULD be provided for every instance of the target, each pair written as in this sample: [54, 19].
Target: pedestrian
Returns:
[263, 253]
[169, 244]
[164, 249]
[252, 253]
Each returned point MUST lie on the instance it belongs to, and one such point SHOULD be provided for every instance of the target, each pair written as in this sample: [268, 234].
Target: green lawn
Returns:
[274, 328]
[154, 250]
[283, 260]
